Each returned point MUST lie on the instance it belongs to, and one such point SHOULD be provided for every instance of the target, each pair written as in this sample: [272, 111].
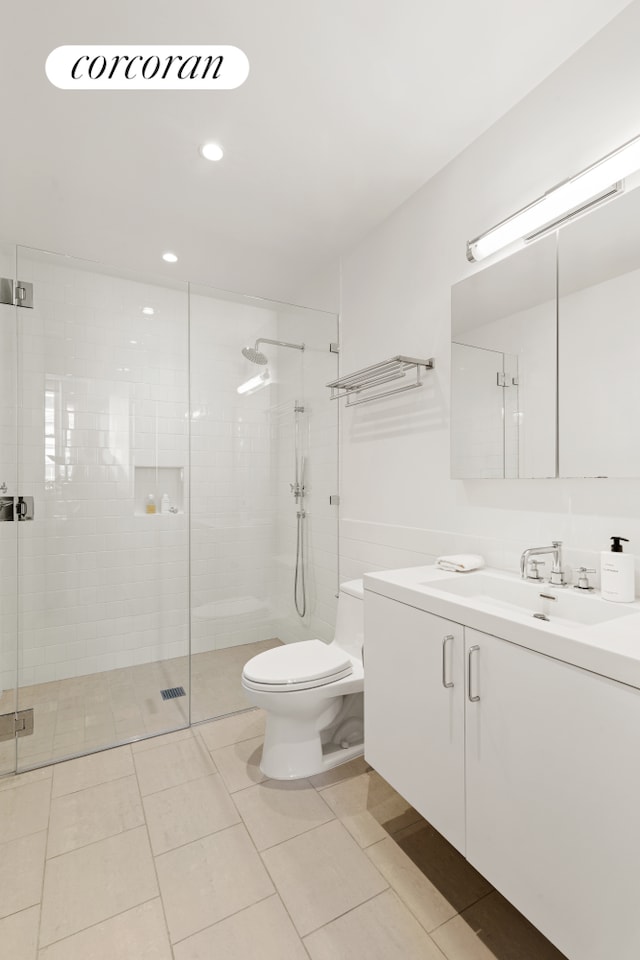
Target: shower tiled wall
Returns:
[244, 516]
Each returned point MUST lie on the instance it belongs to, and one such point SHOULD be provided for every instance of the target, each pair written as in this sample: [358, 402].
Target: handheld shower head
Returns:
[255, 355]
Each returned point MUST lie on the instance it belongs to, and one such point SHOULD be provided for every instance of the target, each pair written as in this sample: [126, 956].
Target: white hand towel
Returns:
[461, 562]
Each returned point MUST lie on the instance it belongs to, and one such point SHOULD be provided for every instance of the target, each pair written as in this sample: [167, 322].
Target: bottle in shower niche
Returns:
[617, 574]
[165, 503]
[150, 504]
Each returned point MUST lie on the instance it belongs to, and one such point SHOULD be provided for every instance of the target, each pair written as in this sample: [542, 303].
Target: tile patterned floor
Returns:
[178, 849]
[88, 713]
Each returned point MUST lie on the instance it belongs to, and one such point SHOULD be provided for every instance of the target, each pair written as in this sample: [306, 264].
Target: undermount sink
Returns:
[507, 595]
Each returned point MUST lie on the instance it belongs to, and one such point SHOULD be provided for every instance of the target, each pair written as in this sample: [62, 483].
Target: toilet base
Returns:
[296, 765]
[310, 741]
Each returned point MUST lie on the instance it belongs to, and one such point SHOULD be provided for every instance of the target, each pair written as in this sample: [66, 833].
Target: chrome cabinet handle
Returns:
[446, 683]
[474, 649]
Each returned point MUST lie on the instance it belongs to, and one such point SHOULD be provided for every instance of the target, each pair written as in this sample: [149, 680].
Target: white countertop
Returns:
[611, 649]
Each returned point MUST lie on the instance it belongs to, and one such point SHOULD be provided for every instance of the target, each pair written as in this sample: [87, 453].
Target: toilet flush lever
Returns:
[445, 683]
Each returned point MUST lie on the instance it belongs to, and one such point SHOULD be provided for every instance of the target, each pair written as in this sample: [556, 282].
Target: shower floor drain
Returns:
[172, 692]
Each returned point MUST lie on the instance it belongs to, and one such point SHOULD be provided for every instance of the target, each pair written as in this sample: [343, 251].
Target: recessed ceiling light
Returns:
[170, 257]
[212, 151]
[149, 311]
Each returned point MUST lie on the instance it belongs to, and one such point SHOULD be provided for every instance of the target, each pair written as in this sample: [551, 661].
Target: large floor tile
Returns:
[442, 866]
[209, 880]
[171, 764]
[277, 810]
[96, 882]
[417, 890]
[19, 934]
[321, 874]
[239, 763]
[188, 812]
[21, 779]
[244, 726]
[493, 930]
[137, 934]
[174, 737]
[24, 810]
[88, 771]
[381, 929]
[93, 814]
[369, 808]
[261, 932]
[21, 868]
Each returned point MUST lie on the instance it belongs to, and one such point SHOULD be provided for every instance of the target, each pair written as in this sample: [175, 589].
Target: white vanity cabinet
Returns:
[538, 763]
[414, 709]
[553, 795]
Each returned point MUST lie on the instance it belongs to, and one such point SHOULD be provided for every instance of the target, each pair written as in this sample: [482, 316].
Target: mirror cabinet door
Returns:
[503, 376]
[599, 342]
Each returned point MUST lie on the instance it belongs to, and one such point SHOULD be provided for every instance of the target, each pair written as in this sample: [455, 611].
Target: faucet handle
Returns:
[532, 570]
[583, 578]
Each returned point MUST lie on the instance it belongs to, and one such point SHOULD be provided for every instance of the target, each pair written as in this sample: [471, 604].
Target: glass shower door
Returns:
[103, 452]
[8, 528]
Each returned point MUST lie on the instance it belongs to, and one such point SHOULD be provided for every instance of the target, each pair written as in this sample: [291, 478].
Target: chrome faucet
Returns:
[556, 577]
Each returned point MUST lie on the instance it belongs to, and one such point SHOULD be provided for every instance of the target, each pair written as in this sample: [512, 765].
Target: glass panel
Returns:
[246, 418]
[8, 528]
[103, 451]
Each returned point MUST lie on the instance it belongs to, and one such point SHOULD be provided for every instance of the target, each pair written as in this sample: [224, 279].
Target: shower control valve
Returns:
[297, 489]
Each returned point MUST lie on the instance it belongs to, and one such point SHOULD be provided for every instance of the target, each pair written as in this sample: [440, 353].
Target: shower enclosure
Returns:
[148, 534]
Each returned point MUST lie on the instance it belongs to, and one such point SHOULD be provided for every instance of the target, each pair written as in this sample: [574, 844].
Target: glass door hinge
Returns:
[334, 348]
[334, 500]
[16, 293]
[18, 724]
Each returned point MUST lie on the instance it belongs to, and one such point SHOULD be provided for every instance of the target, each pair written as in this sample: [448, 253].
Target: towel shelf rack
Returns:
[354, 384]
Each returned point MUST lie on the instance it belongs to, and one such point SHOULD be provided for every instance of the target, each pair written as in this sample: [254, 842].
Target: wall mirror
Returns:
[503, 367]
[599, 342]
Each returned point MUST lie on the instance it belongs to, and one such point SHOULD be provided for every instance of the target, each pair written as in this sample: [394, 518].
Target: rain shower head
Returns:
[251, 353]
[256, 356]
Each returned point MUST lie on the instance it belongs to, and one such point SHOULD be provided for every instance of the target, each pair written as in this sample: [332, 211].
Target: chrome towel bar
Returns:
[368, 378]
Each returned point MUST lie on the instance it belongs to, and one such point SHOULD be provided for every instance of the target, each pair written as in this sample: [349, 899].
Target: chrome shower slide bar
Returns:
[378, 373]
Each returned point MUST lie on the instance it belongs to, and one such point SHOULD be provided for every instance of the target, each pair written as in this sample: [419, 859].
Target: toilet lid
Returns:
[294, 663]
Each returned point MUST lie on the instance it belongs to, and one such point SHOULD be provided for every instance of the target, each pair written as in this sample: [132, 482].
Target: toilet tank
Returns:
[350, 618]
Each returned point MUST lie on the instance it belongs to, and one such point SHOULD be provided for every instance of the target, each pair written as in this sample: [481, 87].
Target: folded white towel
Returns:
[461, 562]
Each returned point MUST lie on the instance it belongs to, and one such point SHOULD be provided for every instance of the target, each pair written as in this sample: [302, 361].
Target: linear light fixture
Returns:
[599, 182]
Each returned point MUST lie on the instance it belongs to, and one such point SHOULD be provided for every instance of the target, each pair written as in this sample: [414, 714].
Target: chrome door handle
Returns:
[474, 699]
[446, 683]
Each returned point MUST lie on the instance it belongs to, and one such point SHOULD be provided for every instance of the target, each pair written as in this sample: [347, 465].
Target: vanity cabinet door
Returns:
[553, 795]
[414, 709]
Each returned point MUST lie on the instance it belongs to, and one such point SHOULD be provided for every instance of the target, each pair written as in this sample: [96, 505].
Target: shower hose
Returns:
[299, 587]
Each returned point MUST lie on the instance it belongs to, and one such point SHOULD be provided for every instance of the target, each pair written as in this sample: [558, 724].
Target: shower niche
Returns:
[156, 482]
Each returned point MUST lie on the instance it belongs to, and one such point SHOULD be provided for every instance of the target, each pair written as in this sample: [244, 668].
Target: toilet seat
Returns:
[297, 666]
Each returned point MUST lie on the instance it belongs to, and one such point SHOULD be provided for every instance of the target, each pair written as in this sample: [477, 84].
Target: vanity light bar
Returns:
[597, 183]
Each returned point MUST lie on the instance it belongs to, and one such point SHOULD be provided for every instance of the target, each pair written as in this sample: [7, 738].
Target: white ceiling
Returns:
[349, 107]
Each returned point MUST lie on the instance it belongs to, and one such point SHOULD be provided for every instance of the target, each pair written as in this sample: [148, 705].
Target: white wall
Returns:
[399, 505]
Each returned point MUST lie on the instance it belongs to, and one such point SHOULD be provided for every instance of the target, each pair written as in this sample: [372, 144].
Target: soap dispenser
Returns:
[617, 579]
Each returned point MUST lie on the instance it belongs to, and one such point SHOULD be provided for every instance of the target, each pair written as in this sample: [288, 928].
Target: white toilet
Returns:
[312, 693]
